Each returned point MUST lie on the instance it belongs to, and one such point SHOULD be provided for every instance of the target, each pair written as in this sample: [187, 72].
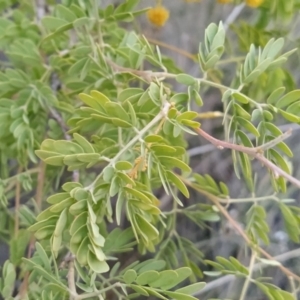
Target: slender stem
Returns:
[71, 280]
[40, 185]
[46, 75]
[30, 171]
[38, 199]
[149, 75]
[225, 88]
[277, 171]
[223, 144]
[293, 287]
[214, 84]
[95, 294]
[209, 147]
[60, 121]
[238, 228]
[181, 247]
[139, 135]
[259, 266]
[276, 141]
[248, 279]
[193, 56]
[251, 199]
[210, 115]
[256, 152]
[146, 74]
[173, 48]
[230, 60]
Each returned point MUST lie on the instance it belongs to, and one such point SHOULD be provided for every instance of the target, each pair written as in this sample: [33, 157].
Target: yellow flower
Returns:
[158, 15]
[254, 3]
[224, 1]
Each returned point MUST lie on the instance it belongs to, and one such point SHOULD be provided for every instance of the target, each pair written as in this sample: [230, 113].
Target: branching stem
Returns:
[133, 141]
[149, 76]
[173, 48]
[213, 285]
[95, 294]
[246, 200]
[238, 228]
[15, 177]
[248, 279]
[256, 152]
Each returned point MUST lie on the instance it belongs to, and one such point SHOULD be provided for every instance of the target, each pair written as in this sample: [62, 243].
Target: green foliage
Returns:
[212, 49]
[233, 266]
[7, 280]
[257, 226]
[91, 120]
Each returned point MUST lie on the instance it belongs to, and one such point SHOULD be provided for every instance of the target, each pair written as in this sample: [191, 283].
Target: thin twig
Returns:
[226, 279]
[256, 152]
[71, 280]
[149, 76]
[248, 150]
[246, 200]
[38, 199]
[276, 170]
[209, 147]
[95, 294]
[248, 279]
[24, 284]
[210, 115]
[235, 59]
[238, 228]
[173, 48]
[133, 141]
[276, 141]
[40, 184]
[293, 287]
[61, 122]
[194, 56]
[15, 177]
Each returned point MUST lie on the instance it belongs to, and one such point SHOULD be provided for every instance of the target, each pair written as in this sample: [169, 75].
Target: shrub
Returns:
[91, 122]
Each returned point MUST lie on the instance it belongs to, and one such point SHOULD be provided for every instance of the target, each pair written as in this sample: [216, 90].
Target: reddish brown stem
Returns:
[38, 199]
[256, 152]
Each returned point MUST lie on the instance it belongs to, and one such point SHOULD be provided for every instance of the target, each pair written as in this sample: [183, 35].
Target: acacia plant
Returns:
[91, 122]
